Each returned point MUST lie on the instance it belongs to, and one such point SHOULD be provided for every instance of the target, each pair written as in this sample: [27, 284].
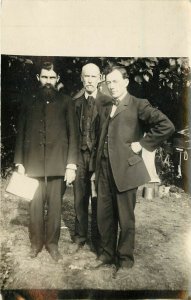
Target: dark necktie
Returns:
[115, 102]
[90, 101]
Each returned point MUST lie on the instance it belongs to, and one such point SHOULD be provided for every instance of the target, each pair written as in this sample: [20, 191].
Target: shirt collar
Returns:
[94, 94]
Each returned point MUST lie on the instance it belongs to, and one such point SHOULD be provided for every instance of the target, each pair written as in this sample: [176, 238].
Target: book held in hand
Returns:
[22, 186]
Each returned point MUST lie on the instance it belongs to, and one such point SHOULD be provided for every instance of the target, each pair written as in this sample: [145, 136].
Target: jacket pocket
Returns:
[134, 159]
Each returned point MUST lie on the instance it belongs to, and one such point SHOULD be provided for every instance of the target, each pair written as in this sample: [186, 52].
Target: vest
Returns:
[87, 132]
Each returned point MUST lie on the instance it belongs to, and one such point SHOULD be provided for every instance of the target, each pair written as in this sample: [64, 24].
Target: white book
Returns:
[22, 186]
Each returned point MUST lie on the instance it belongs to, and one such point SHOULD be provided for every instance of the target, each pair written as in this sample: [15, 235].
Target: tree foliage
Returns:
[165, 82]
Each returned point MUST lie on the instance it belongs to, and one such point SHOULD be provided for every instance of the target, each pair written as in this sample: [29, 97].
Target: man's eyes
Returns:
[45, 77]
[109, 82]
[87, 76]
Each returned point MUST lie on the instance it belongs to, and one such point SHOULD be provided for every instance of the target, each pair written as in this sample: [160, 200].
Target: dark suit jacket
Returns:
[46, 151]
[125, 127]
[100, 100]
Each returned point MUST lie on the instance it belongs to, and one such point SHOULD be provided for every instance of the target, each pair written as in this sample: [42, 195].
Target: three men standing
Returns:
[46, 149]
[110, 134]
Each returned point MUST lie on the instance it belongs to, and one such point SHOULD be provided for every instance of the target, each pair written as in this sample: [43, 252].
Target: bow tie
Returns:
[115, 102]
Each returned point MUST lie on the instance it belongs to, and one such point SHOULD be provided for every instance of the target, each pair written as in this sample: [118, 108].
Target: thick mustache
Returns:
[47, 86]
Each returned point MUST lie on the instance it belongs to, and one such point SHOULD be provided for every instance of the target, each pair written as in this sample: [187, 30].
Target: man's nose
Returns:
[48, 80]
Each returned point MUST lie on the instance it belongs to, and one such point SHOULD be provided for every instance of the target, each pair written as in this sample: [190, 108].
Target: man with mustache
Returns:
[46, 149]
[87, 107]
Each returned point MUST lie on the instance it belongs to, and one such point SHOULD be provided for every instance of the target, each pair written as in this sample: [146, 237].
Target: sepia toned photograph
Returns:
[107, 142]
[95, 150]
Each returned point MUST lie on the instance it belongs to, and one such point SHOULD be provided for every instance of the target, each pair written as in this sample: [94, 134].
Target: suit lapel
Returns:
[122, 106]
[108, 111]
[97, 104]
[79, 110]
[104, 130]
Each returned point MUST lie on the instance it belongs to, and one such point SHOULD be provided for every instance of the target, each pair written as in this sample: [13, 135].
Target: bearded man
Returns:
[46, 149]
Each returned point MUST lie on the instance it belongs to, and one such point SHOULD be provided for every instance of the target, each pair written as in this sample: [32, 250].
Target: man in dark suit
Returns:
[46, 149]
[87, 109]
[120, 168]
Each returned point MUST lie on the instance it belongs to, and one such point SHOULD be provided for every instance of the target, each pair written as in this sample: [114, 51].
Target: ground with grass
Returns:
[162, 253]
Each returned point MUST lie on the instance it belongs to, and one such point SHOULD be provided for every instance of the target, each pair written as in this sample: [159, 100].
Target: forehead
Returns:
[90, 70]
[48, 73]
[114, 75]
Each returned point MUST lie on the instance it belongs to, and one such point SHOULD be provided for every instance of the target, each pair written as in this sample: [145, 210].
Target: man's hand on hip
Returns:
[136, 147]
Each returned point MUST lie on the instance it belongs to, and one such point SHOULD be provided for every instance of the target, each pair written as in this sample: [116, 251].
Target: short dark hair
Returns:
[121, 69]
[48, 65]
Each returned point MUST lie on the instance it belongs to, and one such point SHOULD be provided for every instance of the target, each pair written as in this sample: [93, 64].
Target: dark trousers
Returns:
[115, 208]
[82, 194]
[46, 230]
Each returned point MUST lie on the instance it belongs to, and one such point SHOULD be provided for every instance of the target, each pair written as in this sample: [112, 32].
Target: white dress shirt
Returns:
[94, 94]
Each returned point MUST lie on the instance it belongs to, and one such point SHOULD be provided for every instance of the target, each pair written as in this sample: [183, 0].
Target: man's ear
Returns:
[58, 78]
[126, 82]
[38, 77]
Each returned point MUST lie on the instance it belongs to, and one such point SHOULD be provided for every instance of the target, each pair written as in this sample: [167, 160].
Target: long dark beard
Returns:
[48, 92]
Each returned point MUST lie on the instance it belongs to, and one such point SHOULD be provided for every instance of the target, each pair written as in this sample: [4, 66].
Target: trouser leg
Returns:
[82, 189]
[55, 189]
[36, 224]
[106, 211]
[95, 236]
[126, 204]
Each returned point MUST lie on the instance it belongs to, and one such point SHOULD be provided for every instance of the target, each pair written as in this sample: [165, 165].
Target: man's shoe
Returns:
[102, 261]
[126, 264]
[33, 252]
[106, 259]
[122, 273]
[55, 254]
